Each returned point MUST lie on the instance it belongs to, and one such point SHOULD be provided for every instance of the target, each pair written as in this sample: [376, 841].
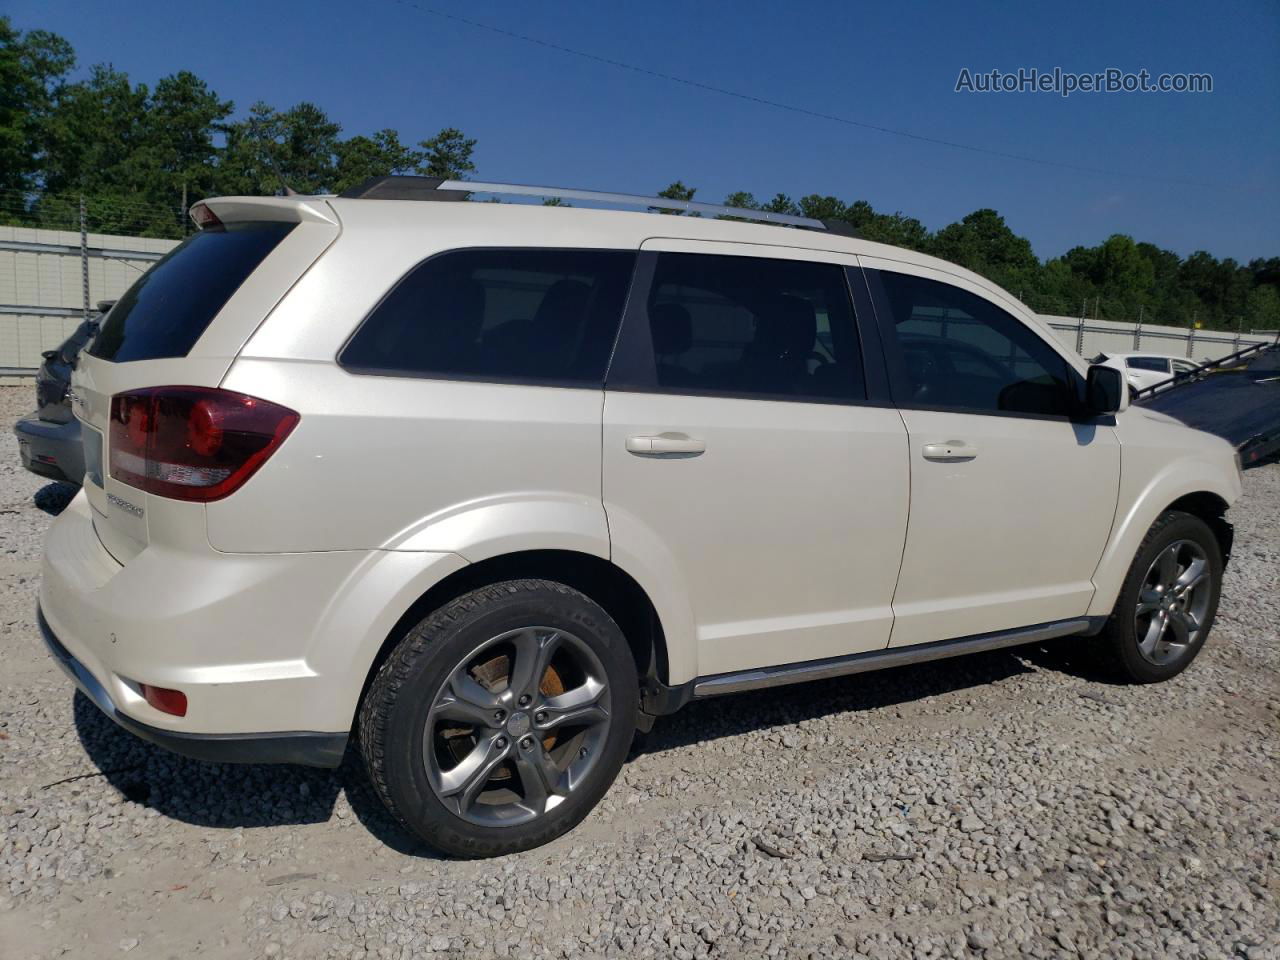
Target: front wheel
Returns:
[1167, 604]
[501, 719]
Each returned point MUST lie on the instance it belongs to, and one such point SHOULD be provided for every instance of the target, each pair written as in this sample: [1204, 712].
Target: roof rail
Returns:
[433, 188]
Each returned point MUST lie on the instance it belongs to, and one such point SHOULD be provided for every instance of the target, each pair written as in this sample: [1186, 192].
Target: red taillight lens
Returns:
[193, 443]
[165, 700]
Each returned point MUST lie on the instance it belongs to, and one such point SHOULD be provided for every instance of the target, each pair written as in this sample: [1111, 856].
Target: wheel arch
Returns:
[1199, 493]
[604, 582]
[1212, 509]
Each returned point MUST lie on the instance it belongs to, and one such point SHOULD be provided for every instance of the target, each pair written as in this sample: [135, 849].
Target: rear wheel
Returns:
[1167, 604]
[501, 719]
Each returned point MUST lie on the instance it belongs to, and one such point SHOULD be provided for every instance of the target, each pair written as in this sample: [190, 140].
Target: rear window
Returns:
[1157, 364]
[166, 310]
[546, 316]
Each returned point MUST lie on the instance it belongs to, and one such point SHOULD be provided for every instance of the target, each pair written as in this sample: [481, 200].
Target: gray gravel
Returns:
[1003, 805]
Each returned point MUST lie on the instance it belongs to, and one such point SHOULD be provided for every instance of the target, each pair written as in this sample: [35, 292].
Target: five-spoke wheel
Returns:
[500, 720]
[1173, 601]
[517, 725]
[1167, 602]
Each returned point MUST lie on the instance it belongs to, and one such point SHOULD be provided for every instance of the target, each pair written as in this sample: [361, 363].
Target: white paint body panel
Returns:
[785, 535]
[1010, 538]
[781, 543]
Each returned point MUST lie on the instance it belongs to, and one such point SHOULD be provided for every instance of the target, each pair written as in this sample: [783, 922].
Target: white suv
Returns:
[485, 487]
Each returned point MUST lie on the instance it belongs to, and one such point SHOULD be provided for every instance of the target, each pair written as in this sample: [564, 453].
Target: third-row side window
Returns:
[536, 315]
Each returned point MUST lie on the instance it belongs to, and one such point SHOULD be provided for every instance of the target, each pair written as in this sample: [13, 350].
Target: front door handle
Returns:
[950, 451]
[665, 445]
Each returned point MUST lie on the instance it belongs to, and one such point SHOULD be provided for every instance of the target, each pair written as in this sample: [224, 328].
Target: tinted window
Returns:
[170, 305]
[961, 351]
[499, 314]
[745, 325]
[1157, 364]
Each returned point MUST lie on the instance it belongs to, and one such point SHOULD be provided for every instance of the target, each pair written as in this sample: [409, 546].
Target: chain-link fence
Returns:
[60, 255]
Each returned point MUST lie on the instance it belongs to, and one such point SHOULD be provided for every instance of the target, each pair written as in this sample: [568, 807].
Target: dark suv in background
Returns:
[49, 439]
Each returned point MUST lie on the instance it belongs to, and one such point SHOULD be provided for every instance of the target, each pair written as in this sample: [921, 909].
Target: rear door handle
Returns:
[950, 451]
[665, 445]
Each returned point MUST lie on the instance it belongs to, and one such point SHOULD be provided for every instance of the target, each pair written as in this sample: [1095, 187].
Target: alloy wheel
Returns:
[1173, 602]
[517, 726]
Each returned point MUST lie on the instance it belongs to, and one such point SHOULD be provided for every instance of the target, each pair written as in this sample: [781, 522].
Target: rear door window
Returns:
[752, 327]
[545, 316]
[167, 309]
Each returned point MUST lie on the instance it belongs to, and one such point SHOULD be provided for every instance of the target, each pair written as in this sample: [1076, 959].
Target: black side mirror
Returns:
[1105, 390]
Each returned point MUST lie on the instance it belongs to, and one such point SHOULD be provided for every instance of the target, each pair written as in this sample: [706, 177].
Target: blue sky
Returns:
[542, 116]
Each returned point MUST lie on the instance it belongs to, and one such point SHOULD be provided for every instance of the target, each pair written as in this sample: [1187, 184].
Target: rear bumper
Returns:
[51, 449]
[271, 650]
[311, 749]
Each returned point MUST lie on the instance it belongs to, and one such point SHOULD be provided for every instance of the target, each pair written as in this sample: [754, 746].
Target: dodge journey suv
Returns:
[485, 487]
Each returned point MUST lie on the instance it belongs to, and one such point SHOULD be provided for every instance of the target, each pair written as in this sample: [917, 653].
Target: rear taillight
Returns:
[193, 443]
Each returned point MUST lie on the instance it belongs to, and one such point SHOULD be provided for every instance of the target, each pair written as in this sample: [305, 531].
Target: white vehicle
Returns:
[486, 487]
[1142, 370]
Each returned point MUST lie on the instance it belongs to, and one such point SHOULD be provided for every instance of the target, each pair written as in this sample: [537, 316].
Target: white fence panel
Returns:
[42, 288]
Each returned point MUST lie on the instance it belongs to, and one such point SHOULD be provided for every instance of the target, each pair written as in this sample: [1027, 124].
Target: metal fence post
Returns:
[1084, 308]
[1191, 343]
[84, 256]
[1137, 330]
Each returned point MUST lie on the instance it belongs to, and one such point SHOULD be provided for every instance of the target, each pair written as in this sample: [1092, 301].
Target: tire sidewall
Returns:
[447, 641]
[1171, 527]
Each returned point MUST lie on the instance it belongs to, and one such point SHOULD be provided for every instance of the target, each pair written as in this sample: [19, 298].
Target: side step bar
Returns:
[663, 699]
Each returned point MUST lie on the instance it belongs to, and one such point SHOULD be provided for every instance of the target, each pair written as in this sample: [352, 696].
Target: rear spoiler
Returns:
[240, 209]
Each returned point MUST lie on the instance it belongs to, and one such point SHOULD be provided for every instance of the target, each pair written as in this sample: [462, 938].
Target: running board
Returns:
[761, 678]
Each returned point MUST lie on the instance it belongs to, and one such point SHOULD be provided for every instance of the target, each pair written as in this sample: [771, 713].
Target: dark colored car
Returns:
[49, 438]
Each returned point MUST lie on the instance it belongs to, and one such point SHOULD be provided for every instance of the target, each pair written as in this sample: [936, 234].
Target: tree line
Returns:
[139, 154]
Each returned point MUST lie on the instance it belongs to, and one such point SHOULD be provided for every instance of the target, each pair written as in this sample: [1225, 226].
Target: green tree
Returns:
[781, 203]
[94, 135]
[271, 149]
[823, 208]
[1262, 308]
[741, 199]
[33, 70]
[379, 155]
[447, 155]
[677, 191]
[179, 126]
[983, 242]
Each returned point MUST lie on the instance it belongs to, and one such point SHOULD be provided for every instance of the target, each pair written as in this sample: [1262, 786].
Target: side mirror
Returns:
[1106, 390]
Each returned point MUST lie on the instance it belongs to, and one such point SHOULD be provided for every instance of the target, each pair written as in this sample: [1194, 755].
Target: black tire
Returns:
[1119, 646]
[396, 709]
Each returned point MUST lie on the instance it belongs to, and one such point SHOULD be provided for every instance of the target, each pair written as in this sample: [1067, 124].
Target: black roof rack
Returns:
[434, 188]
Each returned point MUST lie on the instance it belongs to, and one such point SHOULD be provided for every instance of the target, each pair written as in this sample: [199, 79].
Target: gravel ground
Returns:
[1001, 805]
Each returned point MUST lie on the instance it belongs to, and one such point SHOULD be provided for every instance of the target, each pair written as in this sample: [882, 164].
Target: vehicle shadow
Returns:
[53, 498]
[229, 795]
[782, 706]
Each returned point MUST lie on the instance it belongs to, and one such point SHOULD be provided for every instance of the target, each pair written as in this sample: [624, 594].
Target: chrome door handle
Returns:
[665, 445]
[950, 451]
